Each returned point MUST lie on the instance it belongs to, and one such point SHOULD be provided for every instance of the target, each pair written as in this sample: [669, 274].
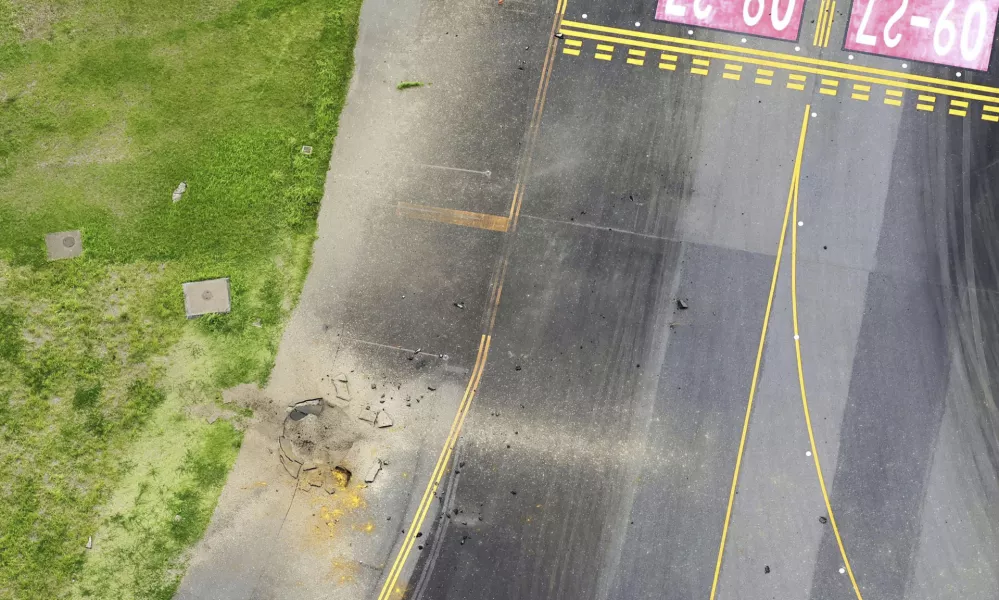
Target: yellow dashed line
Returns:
[896, 93]
[667, 66]
[961, 103]
[830, 82]
[734, 76]
[893, 102]
[605, 47]
[827, 92]
[765, 72]
[634, 52]
[665, 56]
[796, 77]
[926, 98]
[570, 51]
[795, 86]
[861, 87]
[602, 56]
[928, 107]
[636, 61]
[702, 62]
[993, 118]
[863, 97]
[697, 71]
[988, 108]
[575, 43]
[764, 81]
[731, 67]
[958, 113]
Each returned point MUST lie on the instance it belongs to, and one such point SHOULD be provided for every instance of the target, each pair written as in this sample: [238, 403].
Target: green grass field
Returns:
[105, 106]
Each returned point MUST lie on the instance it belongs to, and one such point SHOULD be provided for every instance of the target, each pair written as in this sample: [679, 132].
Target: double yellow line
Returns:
[823, 27]
[391, 583]
[791, 208]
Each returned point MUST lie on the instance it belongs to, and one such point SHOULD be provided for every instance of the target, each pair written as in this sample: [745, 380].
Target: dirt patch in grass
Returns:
[106, 106]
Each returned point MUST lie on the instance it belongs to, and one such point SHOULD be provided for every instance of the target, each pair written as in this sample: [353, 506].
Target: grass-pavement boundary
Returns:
[111, 428]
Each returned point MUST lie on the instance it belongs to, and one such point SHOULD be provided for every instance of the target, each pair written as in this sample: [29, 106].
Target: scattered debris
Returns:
[64, 244]
[372, 472]
[256, 323]
[559, 35]
[517, 368]
[766, 569]
[460, 304]
[431, 388]
[342, 378]
[177, 193]
[90, 542]
[307, 150]
[823, 520]
[368, 415]
[383, 420]
[682, 304]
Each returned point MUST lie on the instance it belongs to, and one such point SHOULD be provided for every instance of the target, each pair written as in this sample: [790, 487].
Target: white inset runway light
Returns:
[690, 32]
[850, 57]
[905, 66]
[808, 452]
[958, 73]
[584, 15]
[800, 223]
[842, 570]
[815, 115]
[795, 336]
[797, 48]
[743, 40]
[638, 24]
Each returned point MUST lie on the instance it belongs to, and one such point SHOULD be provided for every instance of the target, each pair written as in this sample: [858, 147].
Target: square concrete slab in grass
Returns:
[65, 244]
[204, 297]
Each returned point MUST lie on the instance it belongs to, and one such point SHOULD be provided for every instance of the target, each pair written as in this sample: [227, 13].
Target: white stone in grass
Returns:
[177, 193]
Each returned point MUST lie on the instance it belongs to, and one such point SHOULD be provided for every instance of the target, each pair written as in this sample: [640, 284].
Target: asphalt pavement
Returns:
[641, 246]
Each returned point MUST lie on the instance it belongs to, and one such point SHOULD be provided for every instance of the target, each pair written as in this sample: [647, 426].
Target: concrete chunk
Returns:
[368, 415]
[372, 471]
[383, 420]
[342, 390]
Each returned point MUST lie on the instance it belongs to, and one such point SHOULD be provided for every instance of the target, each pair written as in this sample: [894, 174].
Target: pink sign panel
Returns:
[947, 32]
[778, 19]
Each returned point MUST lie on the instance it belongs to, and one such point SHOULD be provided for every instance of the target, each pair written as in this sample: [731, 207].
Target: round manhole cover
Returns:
[207, 295]
[69, 241]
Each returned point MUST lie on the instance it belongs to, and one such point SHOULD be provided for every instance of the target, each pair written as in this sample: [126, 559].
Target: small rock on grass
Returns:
[90, 542]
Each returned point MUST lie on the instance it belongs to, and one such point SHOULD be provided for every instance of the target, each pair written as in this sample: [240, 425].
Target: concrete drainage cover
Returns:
[206, 297]
[64, 244]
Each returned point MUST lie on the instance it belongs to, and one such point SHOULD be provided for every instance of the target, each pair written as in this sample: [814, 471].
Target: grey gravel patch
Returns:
[64, 244]
[206, 297]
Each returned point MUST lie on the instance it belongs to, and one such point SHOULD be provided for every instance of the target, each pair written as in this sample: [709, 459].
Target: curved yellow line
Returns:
[759, 354]
[804, 397]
